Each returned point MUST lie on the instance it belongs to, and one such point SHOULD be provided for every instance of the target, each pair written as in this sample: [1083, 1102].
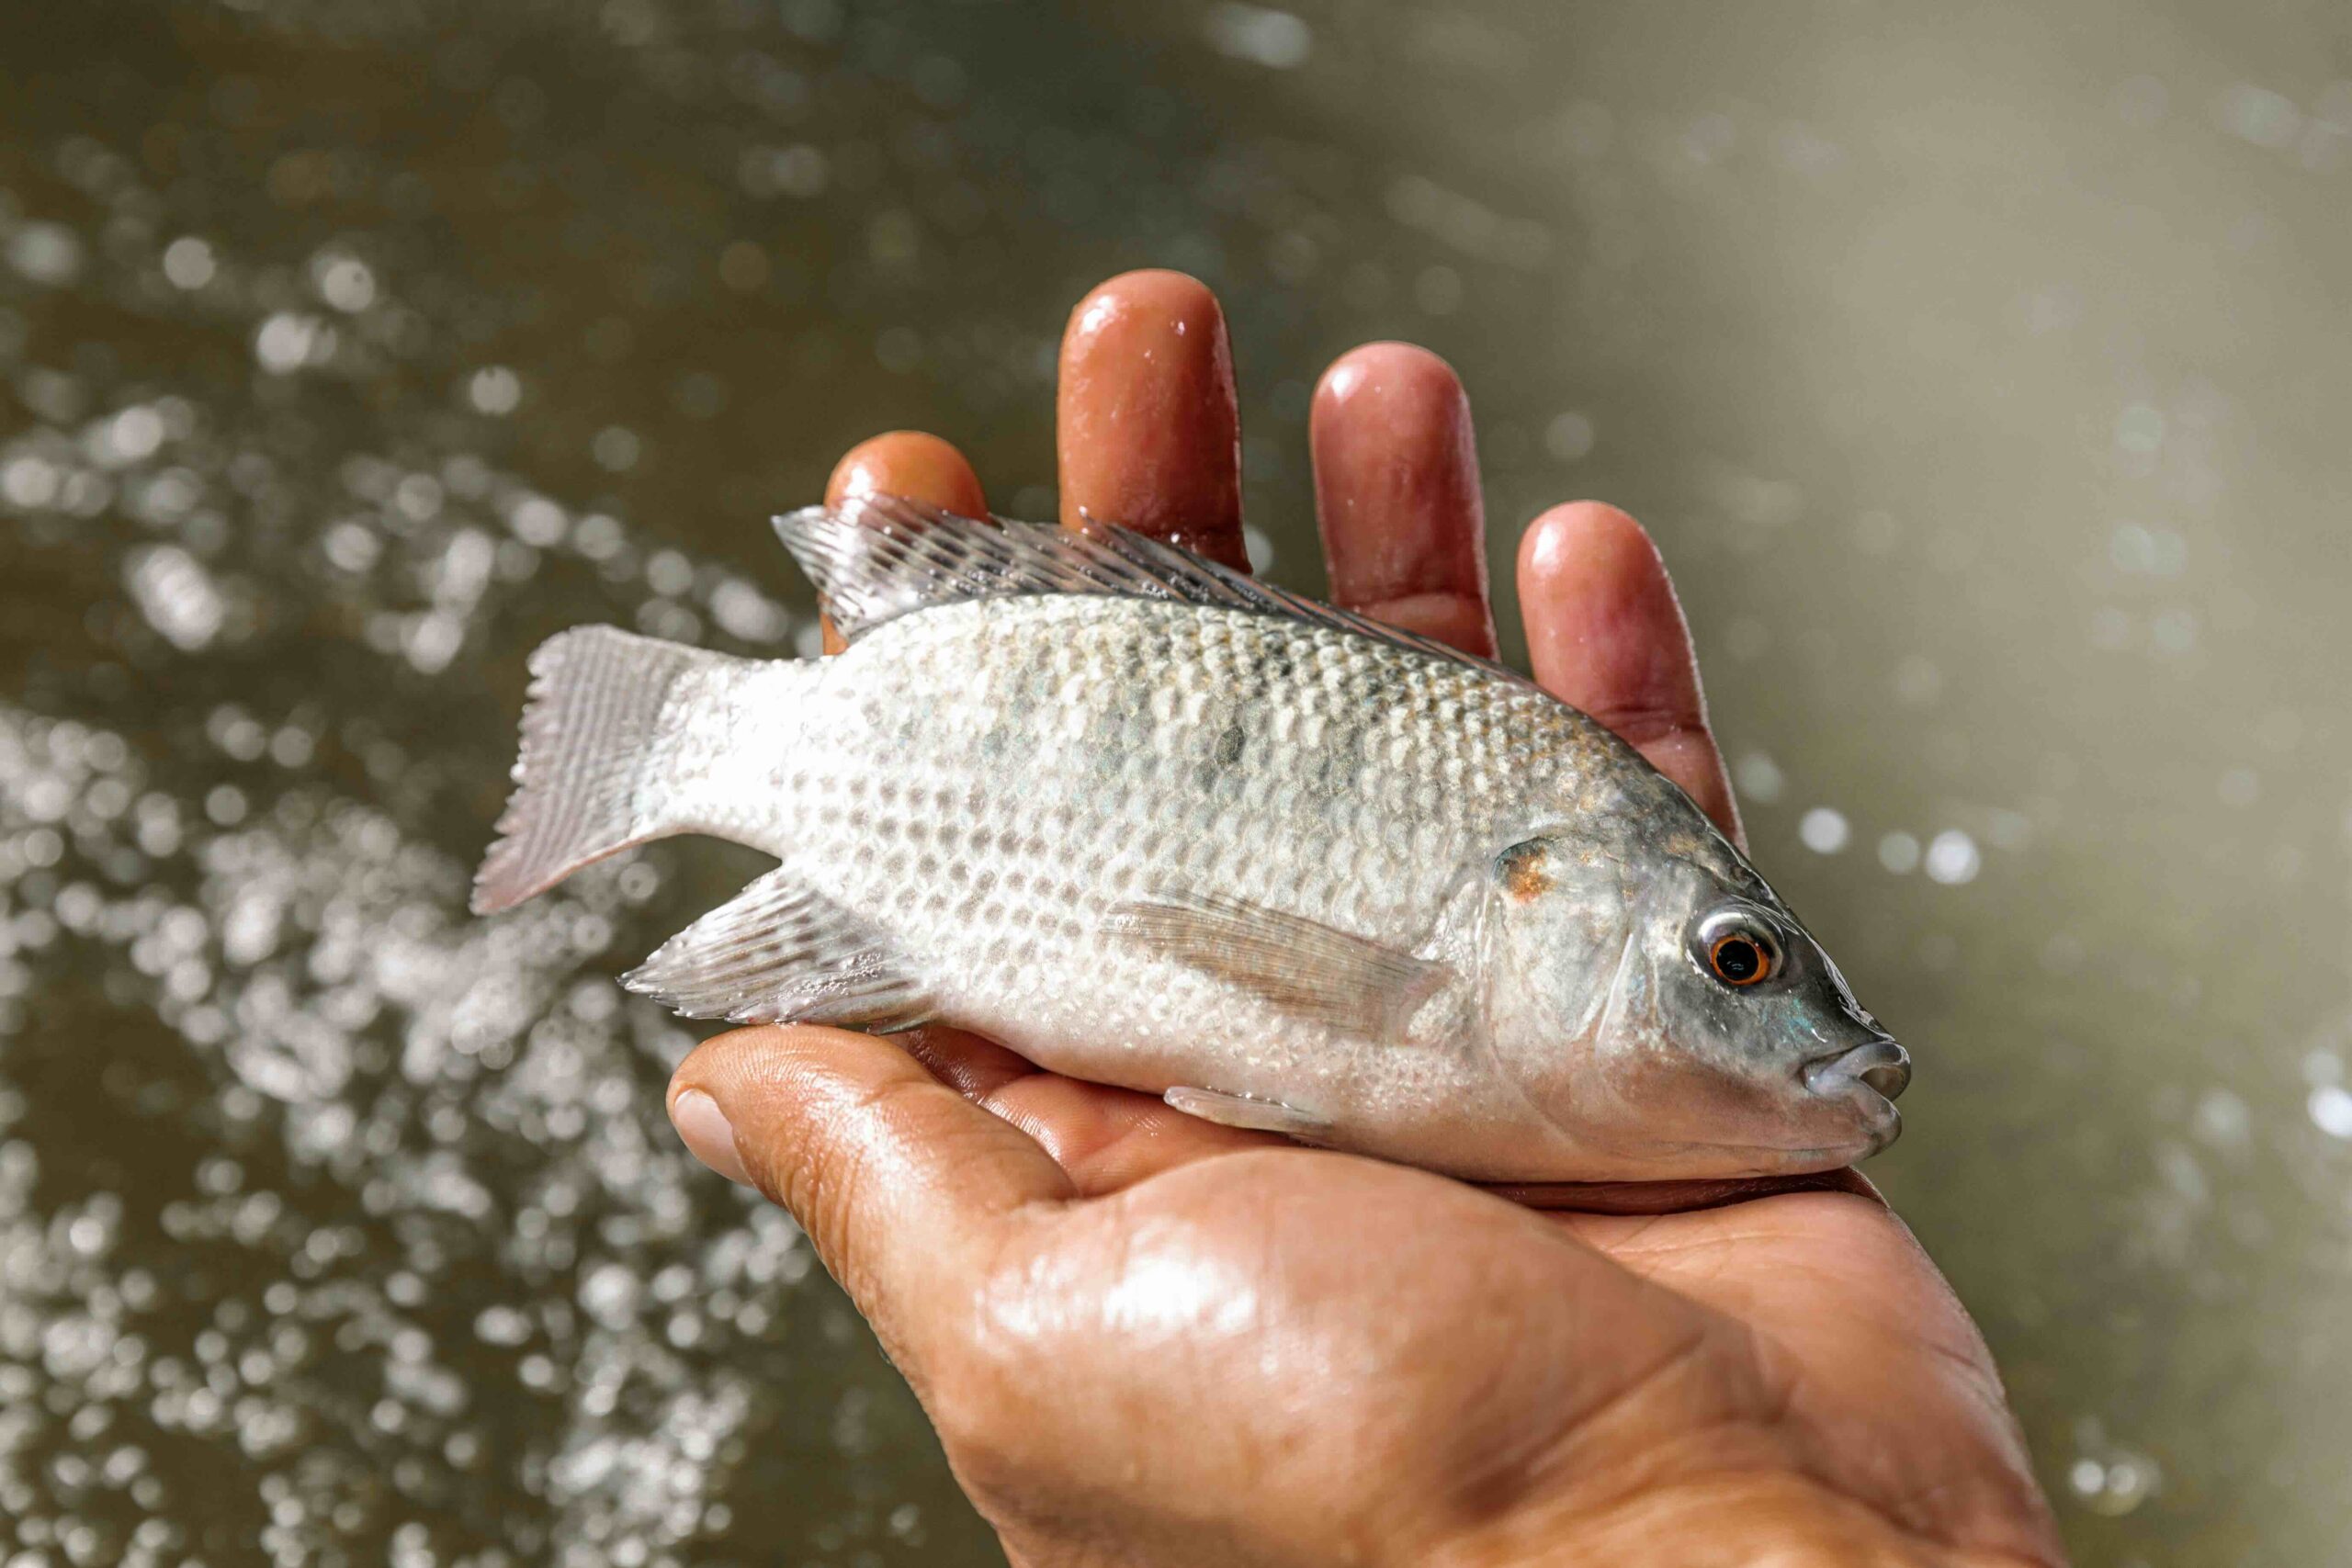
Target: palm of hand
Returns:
[1793, 1352]
[1150, 1340]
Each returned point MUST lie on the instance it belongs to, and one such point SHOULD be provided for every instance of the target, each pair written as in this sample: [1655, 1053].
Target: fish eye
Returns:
[1737, 948]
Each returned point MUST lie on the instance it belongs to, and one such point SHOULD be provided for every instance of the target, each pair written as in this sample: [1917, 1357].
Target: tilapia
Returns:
[1152, 823]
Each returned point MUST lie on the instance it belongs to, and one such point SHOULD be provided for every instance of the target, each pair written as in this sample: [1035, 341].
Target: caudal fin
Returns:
[589, 730]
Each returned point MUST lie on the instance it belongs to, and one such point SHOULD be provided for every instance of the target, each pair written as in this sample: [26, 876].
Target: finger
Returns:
[972, 1064]
[1150, 433]
[906, 463]
[913, 464]
[1104, 1139]
[894, 1176]
[1607, 634]
[1396, 495]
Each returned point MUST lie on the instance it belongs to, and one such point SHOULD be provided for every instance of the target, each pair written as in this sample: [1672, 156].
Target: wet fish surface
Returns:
[1151, 823]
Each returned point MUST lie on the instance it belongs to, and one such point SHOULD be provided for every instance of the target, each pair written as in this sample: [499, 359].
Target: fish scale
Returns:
[1152, 824]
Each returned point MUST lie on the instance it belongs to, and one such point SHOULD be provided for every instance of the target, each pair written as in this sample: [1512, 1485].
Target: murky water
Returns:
[1979, 369]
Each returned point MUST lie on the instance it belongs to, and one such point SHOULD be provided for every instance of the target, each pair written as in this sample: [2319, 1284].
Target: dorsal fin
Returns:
[877, 557]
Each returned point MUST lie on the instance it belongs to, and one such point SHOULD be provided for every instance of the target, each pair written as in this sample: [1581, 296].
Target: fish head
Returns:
[1685, 1023]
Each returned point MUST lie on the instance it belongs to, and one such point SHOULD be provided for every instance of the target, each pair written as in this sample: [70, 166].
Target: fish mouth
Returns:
[1879, 1065]
[1871, 1075]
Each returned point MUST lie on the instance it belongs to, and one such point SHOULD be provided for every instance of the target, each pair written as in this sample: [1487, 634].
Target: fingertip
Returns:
[1395, 371]
[1149, 429]
[913, 464]
[1588, 541]
[1163, 296]
[1396, 492]
[1605, 628]
[1606, 633]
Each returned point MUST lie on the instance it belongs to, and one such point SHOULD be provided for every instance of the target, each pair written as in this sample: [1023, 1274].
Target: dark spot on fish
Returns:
[1228, 747]
[1520, 871]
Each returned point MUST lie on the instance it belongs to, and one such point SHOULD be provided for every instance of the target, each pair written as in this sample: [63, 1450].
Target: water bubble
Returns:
[799, 170]
[538, 522]
[2331, 1109]
[1917, 680]
[1952, 858]
[2223, 1118]
[1824, 829]
[286, 342]
[2173, 631]
[2140, 429]
[1569, 437]
[30, 482]
[1760, 778]
[1258, 548]
[134, 434]
[345, 282]
[744, 612]
[494, 390]
[189, 262]
[1899, 853]
[616, 448]
[2258, 114]
[744, 266]
[1259, 34]
[46, 252]
[2113, 1482]
[177, 595]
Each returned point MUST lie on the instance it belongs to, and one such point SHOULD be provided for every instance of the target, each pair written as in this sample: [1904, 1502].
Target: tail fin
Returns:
[588, 732]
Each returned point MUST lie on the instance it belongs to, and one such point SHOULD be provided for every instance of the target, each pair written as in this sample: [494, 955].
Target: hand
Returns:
[1146, 1340]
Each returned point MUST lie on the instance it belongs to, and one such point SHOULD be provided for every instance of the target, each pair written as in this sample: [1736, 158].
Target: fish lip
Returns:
[1879, 1067]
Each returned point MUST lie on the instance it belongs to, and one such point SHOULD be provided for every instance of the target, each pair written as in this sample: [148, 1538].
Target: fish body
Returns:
[1154, 825]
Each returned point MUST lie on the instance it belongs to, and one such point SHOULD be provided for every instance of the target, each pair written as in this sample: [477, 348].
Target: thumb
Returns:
[900, 1183]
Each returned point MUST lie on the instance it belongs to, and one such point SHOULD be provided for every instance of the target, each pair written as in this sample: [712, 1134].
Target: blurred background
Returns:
[1980, 370]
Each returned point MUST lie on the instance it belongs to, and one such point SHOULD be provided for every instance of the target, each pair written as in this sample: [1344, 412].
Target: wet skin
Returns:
[1150, 1340]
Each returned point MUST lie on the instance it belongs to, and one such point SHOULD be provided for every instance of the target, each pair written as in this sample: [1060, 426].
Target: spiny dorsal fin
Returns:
[781, 953]
[1352, 983]
[877, 557]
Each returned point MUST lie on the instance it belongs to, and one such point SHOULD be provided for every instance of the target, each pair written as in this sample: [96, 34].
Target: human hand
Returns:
[1147, 1339]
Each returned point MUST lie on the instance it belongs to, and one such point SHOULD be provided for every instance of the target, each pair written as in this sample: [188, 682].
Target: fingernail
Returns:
[704, 1128]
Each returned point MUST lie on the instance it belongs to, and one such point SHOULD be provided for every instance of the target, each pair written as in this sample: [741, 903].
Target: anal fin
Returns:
[1244, 1110]
[782, 953]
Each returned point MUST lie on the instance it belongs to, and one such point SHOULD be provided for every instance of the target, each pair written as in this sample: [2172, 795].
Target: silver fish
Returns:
[1151, 823]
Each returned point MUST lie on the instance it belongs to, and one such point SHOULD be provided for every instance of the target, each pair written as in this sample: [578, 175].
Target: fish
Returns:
[1153, 823]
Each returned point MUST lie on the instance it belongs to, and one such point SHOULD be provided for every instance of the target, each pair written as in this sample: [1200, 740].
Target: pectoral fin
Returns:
[1240, 1111]
[781, 953]
[1303, 967]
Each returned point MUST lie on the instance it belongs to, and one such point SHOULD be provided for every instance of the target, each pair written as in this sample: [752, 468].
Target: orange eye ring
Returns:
[1741, 958]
